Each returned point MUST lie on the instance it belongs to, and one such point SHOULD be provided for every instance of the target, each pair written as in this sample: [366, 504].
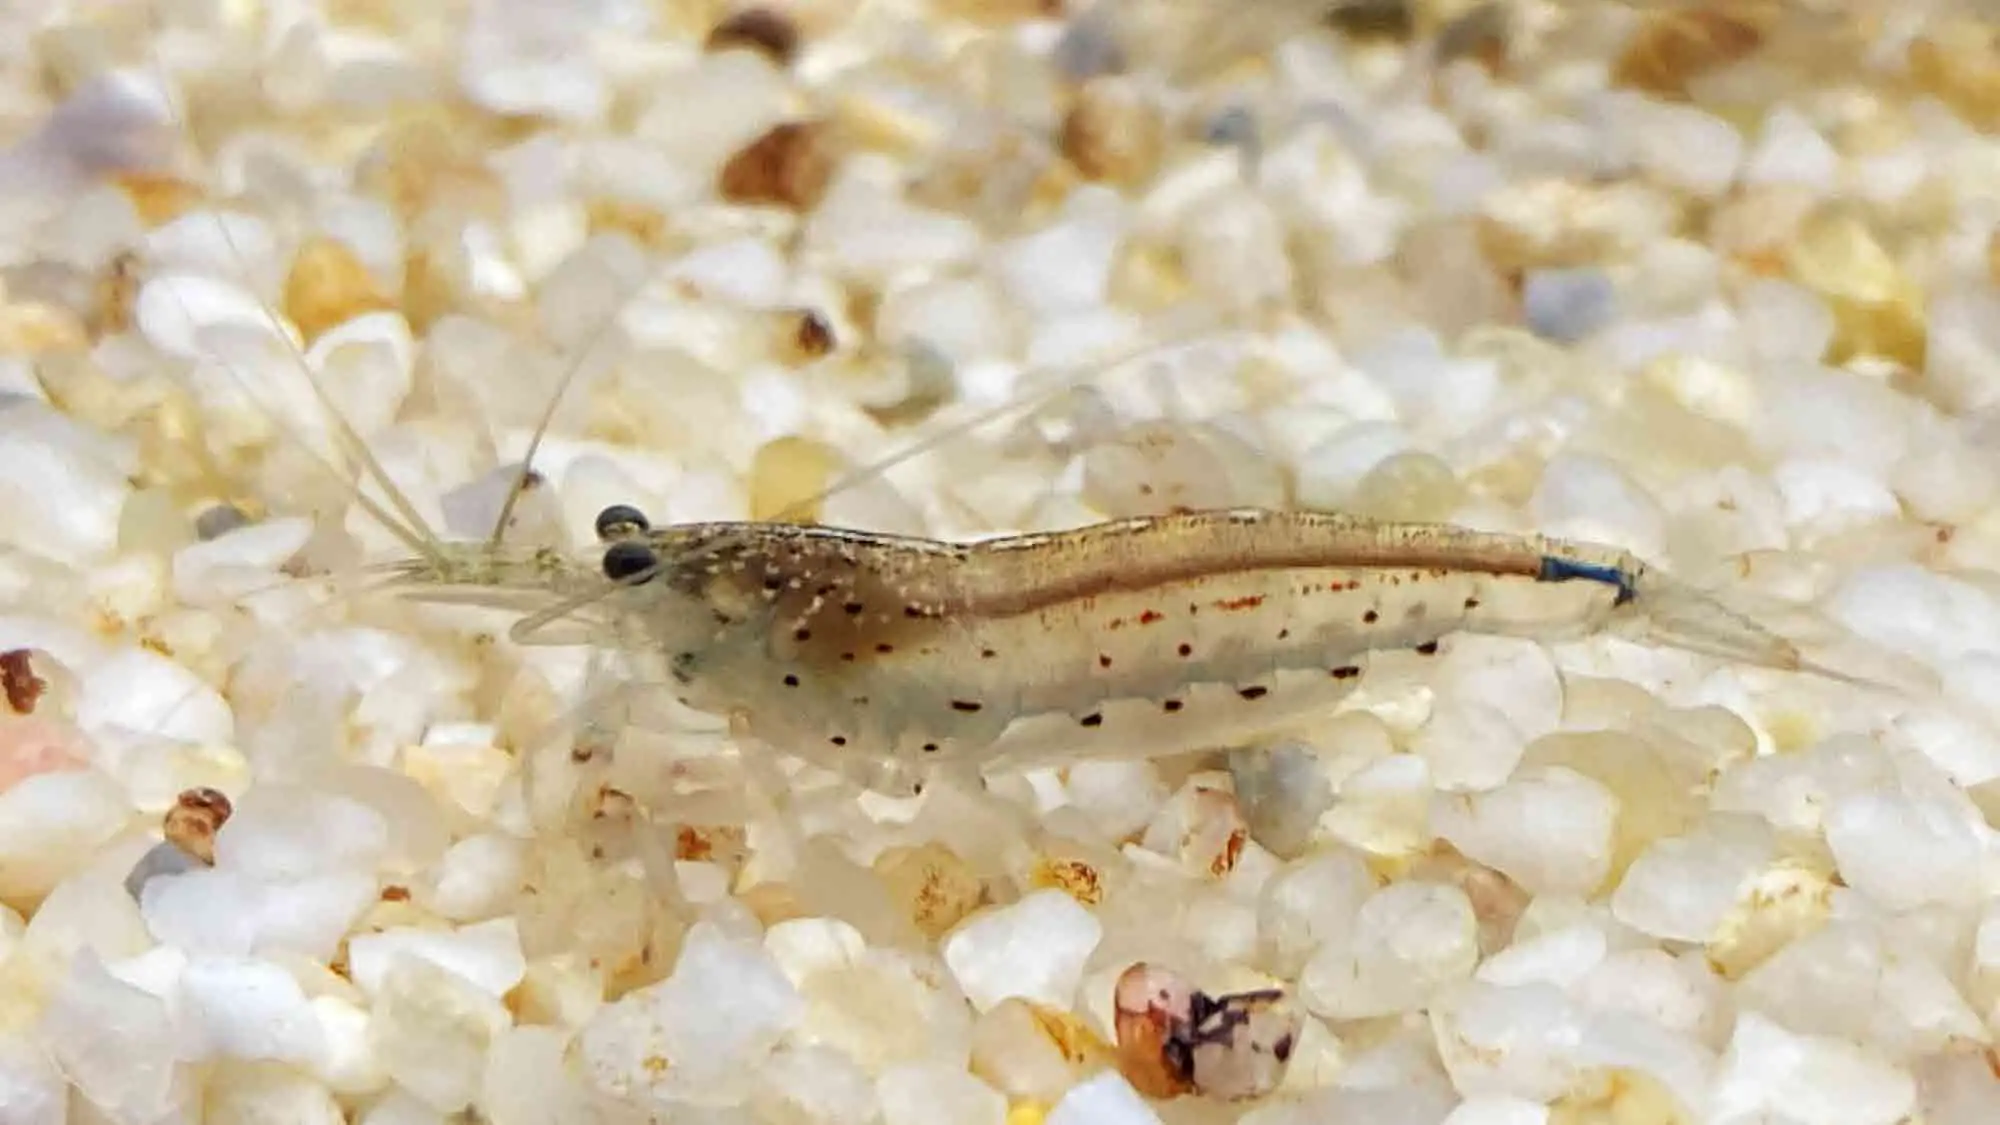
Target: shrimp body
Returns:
[1148, 636]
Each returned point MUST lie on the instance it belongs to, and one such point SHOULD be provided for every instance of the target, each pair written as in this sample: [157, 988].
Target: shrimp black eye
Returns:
[629, 558]
[620, 521]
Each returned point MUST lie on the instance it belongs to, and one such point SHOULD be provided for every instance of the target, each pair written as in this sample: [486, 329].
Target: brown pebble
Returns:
[1174, 1039]
[808, 336]
[194, 820]
[117, 293]
[1679, 44]
[1153, 1007]
[1113, 133]
[17, 676]
[1369, 19]
[760, 29]
[788, 166]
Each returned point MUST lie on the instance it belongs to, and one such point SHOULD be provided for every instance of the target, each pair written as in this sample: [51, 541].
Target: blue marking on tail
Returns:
[1558, 569]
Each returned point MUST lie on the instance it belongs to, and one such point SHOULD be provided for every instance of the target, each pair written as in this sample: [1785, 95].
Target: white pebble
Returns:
[1409, 940]
[1907, 851]
[284, 831]
[1559, 957]
[51, 824]
[115, 1043]
[966, 319]
[246, 1009]
[1794, 792]
[927, 1093]
[1682, 888]
[461, 765]
[1806, 411]
[888, 1007]
[139, 691]
[1430, 388]
[477, 877]
[180, 313]
[1594, 499]
[487, 954]
[1680, 995]
[1310, 904]
[401, 1108]
[746, 97]
[1329, 470]
[1550, 830]
[745, 271]
[1119, 797]
[65, 485]
[1498, 1109]
[1494, 696]
[1233, 249]
[1770, 1072]
[1855, 980]
[1917, 613]
[238, 562]
[32, 1089]
[1829, 497]
[865, 231]
[226, 912]
[1065, 267]
[817, 1084]
[1106, 1099]
[1785, 323]
[1520, 1040]
[529, 1080]
[519, 58]
[431, 1028]
[1791, 151]
[1962, 352]
[348, 1064]
[88, 911]
[1685, 147]
[1384, 806]
[264, 1095]
[721, 1012]
[1034, 949]
[804, 946]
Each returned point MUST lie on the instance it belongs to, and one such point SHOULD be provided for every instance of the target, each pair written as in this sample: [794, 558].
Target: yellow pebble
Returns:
[1027, 1113]
[788, 476]
[329, 286]
[1877, 309]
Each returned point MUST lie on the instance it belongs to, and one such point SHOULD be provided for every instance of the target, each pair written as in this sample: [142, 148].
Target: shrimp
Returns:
[882, 656]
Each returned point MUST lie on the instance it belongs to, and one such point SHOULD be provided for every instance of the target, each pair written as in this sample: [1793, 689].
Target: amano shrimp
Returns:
[881, 656]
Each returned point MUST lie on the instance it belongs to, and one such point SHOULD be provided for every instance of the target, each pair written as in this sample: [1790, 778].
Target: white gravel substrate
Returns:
[1719, 284]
